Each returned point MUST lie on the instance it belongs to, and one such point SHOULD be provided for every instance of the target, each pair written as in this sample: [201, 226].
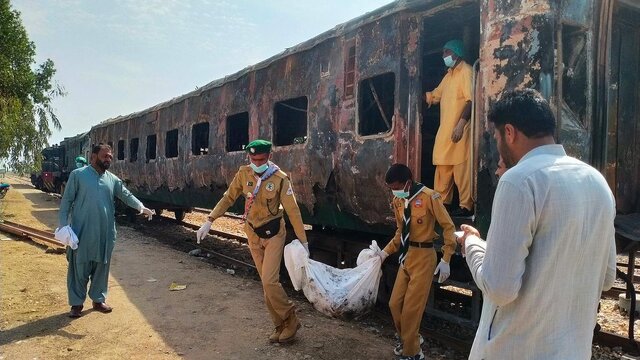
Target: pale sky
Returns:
[116, 57]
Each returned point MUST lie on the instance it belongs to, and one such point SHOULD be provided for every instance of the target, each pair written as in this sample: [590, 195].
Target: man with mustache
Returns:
[88, 207]
[550, 250]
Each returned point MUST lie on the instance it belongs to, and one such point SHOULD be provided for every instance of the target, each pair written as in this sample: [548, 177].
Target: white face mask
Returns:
[259, 169]
[448, 61]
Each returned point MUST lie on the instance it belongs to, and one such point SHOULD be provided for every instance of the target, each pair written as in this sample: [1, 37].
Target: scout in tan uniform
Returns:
[417, 208]
[451, 148]
[266, 190]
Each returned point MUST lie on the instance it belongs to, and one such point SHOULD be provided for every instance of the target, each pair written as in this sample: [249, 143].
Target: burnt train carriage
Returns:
[344, 105]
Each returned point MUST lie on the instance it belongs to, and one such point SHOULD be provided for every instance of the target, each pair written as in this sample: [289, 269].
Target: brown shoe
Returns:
[102, 307]
[275, 336]
[291, 326]
[76, 311]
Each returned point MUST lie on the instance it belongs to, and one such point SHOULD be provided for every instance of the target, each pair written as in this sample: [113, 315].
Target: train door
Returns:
[459, 22]
[623, 135]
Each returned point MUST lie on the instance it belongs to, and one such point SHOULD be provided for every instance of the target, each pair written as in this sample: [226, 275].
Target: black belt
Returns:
[425, 245]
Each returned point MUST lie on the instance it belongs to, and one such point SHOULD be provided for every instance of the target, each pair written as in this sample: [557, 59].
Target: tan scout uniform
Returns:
[452, 159]
[274, 194]
[413, 282]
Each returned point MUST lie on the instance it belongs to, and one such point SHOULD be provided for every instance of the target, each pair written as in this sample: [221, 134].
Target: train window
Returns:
[151, 147]
[575, 74]
[290, 121]
[171, 144]
[120, 149]
[237, 131]
[133, 149]
[200, 139]
[350, 71]
[375, 112]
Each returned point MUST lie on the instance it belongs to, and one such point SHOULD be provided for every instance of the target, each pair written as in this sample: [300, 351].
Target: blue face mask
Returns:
[79, 165]
[448, 61]
[401, 194]
[259, 169]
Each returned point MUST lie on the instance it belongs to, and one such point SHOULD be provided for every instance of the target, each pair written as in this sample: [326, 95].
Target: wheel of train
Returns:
[179, 214]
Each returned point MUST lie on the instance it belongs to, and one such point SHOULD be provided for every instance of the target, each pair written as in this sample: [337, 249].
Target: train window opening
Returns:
[133, 149]
[461, 23]
[237, 131]
[377, 99]
[150, 154]
[120, 149]
[290, 121]
[350, 71]
[200, 139]
[575, 75]
[171, 144]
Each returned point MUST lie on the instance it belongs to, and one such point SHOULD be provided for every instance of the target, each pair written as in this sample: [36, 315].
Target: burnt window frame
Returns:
[166, 144]
[193, 139]
[133, 158]
[155, 148]
[350, 85]
[274, 127]
[358, 110]
[120, 153]
[228, 132]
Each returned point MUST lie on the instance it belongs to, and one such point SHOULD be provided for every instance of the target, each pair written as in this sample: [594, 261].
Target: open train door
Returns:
[623, 107]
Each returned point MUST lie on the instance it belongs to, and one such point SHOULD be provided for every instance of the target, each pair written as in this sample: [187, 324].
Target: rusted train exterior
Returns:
[343, 106]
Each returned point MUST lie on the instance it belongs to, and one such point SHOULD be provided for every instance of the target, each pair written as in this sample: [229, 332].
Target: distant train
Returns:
[341, 107]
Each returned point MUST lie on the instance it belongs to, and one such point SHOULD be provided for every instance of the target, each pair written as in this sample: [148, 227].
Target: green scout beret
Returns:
[81, 159]
[456, 46]
[258, 147]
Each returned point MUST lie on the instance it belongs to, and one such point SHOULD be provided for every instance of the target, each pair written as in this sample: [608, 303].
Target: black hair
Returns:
[398, 173]
[526, 110]
[96, 148]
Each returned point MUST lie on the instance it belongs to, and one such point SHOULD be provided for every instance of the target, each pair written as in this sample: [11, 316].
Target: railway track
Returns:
[38, 236]
[603, 338]
[46, 238]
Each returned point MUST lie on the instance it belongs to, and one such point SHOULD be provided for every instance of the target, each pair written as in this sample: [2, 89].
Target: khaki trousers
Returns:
[267, 255]
[410, 294]
[447, 175]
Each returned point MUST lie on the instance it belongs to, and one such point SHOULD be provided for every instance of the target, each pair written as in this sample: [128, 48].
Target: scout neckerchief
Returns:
[406, 218]
[267, 174]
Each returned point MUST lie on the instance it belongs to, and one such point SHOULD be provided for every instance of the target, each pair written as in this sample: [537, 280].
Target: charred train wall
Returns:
[338, 175]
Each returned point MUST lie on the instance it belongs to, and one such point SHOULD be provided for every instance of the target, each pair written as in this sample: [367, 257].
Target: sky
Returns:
[116, 57]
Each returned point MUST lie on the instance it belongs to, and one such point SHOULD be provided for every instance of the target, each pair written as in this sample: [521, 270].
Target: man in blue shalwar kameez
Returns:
[88, 207]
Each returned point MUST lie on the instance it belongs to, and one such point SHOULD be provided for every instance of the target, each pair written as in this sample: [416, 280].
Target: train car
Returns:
[49, 178]
[343, 106]
[75, 146]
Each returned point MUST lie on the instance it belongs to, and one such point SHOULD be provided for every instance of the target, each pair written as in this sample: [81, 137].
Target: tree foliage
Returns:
[26, 92]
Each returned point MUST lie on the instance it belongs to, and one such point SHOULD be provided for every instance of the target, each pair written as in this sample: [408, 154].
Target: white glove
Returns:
[382, 254]
[306, 247]
[444, 269]
[147, 212]
[203, 231]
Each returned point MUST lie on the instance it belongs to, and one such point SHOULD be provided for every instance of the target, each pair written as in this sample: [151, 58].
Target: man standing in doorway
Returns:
[552, 250]
[88, 207]
[268, 193]
[451, 148]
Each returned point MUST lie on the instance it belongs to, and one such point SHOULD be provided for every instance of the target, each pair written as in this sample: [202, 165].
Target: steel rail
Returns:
[27, 231]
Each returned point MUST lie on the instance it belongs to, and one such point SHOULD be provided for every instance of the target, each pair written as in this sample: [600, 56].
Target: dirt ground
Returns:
[218, 315]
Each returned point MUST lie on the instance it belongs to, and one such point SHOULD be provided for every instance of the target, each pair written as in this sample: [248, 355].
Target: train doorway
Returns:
[460, 22]
[623, 136]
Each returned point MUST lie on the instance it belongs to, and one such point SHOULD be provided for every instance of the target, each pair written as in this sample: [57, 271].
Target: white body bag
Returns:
[333, 291]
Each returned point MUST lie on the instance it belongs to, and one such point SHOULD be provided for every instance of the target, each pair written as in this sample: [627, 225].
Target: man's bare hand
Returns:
[457, 132]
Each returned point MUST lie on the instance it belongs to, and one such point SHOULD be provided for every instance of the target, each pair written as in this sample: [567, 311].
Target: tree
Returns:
[26, 93]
